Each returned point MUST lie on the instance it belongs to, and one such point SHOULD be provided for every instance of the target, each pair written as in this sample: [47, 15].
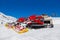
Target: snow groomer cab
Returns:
[48, 22]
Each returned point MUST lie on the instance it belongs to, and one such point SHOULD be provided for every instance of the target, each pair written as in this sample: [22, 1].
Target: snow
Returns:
[5, 18]
[32, 34]
[56, 20]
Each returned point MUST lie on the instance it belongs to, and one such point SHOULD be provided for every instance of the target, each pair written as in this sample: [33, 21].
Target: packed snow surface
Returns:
[32, 34]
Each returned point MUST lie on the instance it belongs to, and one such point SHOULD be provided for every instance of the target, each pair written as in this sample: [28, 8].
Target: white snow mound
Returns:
[4, 18]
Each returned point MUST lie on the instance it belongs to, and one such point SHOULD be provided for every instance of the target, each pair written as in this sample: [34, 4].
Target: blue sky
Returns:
[24, 8]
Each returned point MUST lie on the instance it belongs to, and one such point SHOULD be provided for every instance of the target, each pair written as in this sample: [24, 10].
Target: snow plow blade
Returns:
[21, 31]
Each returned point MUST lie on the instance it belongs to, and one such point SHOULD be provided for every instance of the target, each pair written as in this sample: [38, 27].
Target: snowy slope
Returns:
[4, 18]
[38, 34]
[56, 20]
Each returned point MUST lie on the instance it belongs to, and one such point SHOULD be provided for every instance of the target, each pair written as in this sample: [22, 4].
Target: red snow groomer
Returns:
[43, 21]
[36, 22]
